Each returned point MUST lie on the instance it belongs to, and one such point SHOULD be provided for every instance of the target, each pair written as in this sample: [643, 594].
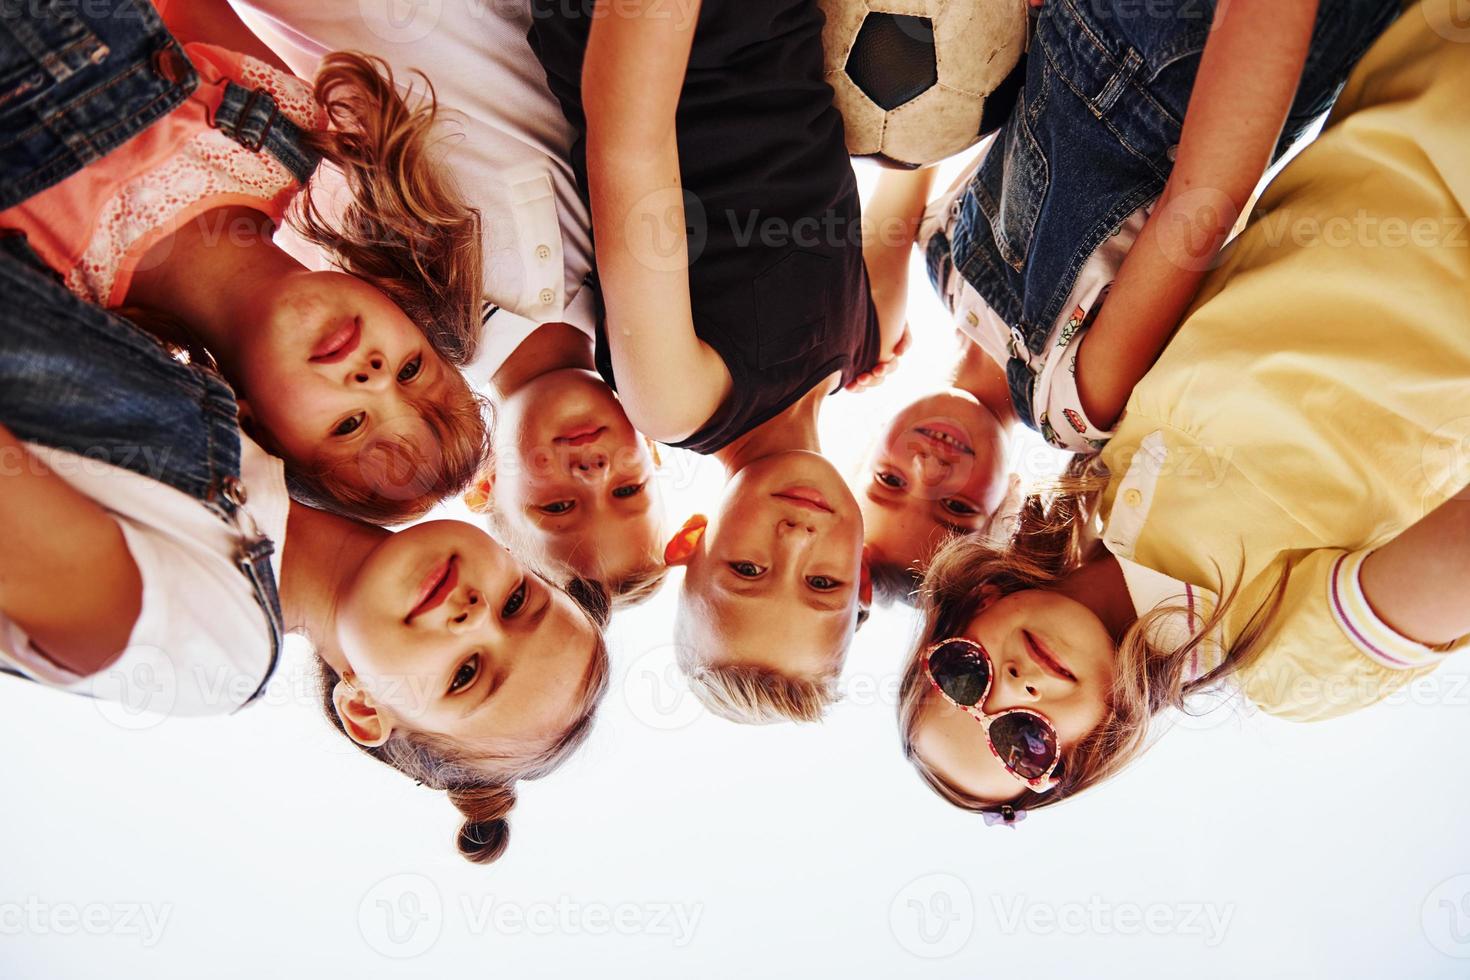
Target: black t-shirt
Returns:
[776, 274]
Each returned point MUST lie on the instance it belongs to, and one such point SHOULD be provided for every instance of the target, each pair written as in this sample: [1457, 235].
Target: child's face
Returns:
[573, 476]
[937, 470]
[337, 370]
[775, 578]
[450, 635]
[1022, 632]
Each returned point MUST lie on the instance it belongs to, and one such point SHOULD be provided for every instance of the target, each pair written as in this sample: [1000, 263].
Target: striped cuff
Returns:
[1370, 634]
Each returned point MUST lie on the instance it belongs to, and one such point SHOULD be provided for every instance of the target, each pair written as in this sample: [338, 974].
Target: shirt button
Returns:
[543, 252]
[546, 297]
[233, 490]
[971, 318]
[1132, 498]
[1173, 152]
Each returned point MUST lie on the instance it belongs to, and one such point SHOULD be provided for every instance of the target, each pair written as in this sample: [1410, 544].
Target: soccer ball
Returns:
[920, 80]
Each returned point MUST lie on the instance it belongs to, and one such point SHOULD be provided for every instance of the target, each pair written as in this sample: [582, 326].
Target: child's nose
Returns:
[1014, 685]
[591, 467]
[371, 373]
[931, 469]
[468, 611]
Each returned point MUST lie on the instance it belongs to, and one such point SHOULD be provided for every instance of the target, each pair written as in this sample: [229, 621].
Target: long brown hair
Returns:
[480, 782]
[406, 229]
[1054, 536]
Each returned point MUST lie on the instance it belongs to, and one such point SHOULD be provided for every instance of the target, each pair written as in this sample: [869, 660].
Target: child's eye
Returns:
[746, 569]
[632, 490]
[557, 507]
[960, 508]
[514, 601]
[410, 370]
[890, 480]
[349, 425]
[466, 674]
[823, 583]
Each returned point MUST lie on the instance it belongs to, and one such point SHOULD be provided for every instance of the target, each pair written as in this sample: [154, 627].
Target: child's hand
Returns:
[878, 373]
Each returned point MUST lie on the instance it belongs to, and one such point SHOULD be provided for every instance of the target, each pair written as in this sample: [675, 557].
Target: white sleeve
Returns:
[200, 646]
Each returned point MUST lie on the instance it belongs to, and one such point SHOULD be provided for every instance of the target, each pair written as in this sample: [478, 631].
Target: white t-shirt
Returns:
[201, 644]
[511, 161]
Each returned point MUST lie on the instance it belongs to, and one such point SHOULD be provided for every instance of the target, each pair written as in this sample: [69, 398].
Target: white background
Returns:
[679, 845]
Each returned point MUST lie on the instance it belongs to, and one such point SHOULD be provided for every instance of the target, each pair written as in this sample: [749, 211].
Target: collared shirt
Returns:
[1058, 408]
[511, 161]
[1314, 403]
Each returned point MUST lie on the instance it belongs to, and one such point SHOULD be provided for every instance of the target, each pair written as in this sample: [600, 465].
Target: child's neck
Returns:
[794, 430]
[976, 373]
[208, 275]
[553, 347]
[1099, 585]
[319, 559]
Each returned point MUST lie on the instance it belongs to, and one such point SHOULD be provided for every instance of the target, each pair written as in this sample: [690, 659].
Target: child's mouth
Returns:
[436, 586]
[580, 436]
[946, 435]
[1045, 660]
[808, 497]
[336, 345]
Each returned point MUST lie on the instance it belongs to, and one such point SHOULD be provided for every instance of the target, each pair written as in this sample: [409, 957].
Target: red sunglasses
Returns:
[1023, 739]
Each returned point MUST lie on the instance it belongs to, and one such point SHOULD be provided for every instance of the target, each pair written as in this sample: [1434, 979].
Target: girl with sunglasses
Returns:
[1286, 508]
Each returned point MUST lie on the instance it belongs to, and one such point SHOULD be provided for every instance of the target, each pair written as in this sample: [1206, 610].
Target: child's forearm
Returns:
[890, 224]
[631, 81]
[1419, 583]
[67, 578]
[1247, 80]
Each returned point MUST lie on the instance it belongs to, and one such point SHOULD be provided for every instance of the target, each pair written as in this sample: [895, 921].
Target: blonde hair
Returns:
[749, 694]
[1053, 537]
[631, 589]
[481, 781]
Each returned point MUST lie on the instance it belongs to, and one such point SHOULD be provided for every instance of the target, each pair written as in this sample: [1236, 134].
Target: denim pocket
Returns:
[46, 46]
[1012, 184]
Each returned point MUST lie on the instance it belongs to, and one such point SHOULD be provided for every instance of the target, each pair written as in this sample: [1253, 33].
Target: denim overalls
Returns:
[1092, 138]
[76, 81]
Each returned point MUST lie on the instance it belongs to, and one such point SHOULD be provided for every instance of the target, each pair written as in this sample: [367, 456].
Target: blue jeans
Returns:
[1091, 139]
[76, 81]
[76, 378]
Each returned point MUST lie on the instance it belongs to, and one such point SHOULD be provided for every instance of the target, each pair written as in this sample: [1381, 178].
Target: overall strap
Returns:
[251, 118]
[76, 378]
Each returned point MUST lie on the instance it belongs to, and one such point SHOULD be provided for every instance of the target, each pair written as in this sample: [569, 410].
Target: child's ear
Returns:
[865, 581]
[685, 543]
[366, 724]
[478, 497]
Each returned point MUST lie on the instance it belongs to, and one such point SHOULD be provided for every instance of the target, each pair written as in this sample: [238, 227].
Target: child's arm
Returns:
[670, 381]
[1247, 79]
[215, 22]
[67, 578]
[1419, 583]
[890, 224]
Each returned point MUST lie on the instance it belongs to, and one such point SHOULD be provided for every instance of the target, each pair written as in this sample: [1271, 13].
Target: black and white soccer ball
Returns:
[920, 80]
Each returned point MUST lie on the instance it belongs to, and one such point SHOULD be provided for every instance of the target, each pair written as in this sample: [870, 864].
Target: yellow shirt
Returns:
[1316, 400]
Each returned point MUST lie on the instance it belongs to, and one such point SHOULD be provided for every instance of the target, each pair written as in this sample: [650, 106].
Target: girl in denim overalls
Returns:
[143, 533]
[170, 216]
[1140, 135]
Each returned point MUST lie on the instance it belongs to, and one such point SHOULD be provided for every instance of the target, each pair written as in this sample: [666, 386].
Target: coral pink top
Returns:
[95, 227]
